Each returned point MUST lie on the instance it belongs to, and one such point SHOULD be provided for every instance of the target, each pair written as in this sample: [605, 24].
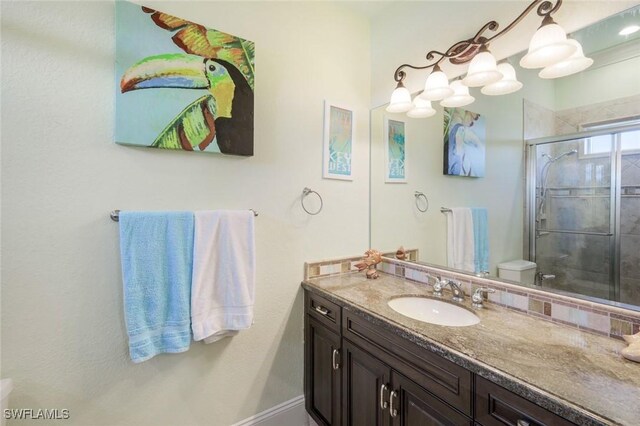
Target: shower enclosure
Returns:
[583, 211]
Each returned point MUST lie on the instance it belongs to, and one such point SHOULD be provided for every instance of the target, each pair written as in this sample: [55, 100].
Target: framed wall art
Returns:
[464, 143]
[338, 142]
[395, 151]
[180, 85]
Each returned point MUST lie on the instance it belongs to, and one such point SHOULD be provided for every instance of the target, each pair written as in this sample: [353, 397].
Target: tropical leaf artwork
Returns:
[199, 84]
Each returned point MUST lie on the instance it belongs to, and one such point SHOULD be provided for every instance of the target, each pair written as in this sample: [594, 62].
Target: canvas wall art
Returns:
[338, 142]
[395, 151]
[464, 143]
[181, 85]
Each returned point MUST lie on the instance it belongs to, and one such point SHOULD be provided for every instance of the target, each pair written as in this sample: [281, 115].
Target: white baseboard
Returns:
[289, 413]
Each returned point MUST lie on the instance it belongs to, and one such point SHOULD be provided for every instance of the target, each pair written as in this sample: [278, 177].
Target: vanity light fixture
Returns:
[573, 64]
[460, 97]
[400, 99]
[483, 69]
[508, 84]
[549, 47]
[437, 86]
[421, 108]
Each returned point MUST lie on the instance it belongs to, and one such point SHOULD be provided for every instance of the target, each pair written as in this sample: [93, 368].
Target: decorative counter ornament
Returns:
[632, 352]
[369, 261]
[401, 254]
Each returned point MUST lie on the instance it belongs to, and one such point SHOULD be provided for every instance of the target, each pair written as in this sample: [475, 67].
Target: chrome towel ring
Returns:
[419, 195]
[306, 192]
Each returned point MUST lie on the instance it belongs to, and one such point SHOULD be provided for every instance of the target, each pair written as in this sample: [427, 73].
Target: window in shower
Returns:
[601, 144]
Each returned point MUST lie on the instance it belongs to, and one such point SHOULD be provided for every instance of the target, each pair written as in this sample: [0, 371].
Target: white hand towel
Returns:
[460, 239]
[223, 284]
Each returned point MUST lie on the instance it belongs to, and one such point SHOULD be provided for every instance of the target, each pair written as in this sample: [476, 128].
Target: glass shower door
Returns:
[629, 206]
[573, 221]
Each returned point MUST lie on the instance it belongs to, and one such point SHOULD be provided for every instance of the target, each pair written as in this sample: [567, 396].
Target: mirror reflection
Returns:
[556, 200]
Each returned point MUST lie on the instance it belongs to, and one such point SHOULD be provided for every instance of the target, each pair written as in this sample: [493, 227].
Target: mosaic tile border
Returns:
[588, 316]
[343, 265]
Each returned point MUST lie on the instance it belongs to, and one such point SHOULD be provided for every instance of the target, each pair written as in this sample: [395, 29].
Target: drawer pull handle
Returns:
[523, 423]
[392, 411]
[383, 403]
[321, 310]
[334, 361]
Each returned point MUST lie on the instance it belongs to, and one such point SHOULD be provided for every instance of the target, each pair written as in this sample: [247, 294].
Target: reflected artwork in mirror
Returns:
[561, 183]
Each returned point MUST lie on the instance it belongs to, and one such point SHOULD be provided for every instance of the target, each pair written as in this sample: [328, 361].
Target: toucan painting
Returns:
[181, 85]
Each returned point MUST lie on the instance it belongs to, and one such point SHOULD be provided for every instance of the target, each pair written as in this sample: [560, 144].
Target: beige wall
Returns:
[63, 335]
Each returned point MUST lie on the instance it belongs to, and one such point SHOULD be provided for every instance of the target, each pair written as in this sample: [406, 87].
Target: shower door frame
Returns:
[530, 182]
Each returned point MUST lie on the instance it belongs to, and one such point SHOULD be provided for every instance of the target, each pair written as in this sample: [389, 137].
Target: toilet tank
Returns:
[521, 271]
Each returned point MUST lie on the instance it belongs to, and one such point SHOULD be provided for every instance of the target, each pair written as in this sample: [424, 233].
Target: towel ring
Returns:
[419, 195]
[306, 192]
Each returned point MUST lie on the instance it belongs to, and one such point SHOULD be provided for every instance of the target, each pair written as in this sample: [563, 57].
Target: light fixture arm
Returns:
[463, 51]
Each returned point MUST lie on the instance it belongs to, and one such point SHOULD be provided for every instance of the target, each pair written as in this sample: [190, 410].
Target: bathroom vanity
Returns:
[366, 364]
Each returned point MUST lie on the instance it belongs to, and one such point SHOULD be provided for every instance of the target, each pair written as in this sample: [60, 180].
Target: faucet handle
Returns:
[438, 285]
[477, 298]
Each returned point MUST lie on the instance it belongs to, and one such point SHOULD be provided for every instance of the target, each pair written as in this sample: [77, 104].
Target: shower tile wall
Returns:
[569, 120]
[630, 230]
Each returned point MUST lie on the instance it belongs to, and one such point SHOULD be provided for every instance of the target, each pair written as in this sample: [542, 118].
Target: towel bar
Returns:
[115, 214]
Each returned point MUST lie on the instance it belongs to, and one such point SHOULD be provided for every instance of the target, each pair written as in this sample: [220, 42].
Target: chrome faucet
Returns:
[458, 293]
[478, 298]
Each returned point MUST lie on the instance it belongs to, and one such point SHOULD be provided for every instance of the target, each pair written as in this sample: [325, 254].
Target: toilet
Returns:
[522, 271]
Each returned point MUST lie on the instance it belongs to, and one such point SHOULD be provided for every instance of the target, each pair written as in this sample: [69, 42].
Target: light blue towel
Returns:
[157, 255]
[480, 239]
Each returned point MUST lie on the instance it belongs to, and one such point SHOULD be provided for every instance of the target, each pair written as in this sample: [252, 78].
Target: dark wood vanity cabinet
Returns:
[359, 374]
[322, 359]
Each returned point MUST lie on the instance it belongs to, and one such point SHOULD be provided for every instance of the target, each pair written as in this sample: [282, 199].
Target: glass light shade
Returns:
[508, 84]
[629, 30]
[400, 99]
[460, 97]
[573, 64]
[549, 45]
[482, 70]
[421, 108]
[437, 86]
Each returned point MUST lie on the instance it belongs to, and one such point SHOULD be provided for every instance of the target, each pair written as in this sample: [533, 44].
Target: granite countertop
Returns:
[578, 375]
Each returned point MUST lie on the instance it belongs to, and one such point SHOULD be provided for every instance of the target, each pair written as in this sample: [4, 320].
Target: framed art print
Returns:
[395, 151]
[464, 138]
[338, 142]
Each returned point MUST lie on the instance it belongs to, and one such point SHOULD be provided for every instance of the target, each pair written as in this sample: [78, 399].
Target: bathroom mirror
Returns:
[571, 204]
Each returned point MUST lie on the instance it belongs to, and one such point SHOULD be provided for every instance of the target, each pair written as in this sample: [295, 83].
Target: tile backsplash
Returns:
[581, 314]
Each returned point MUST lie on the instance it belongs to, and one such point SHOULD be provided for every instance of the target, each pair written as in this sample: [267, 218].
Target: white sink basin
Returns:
[433, 311]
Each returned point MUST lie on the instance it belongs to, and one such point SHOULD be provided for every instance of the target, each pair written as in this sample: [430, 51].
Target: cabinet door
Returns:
[322, 373]
[411, 405]
[365, 391]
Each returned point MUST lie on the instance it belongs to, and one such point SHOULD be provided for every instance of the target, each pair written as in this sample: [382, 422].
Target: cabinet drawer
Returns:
[448, 381]
[328, 313]
[497, 406]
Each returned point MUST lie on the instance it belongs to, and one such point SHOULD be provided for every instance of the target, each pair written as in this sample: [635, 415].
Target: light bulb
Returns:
[460, 97]
[549, 45]
[436, 86]
[400, 99]
[508, 84]
[573, 64]
[482, 70]
[421, 108]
